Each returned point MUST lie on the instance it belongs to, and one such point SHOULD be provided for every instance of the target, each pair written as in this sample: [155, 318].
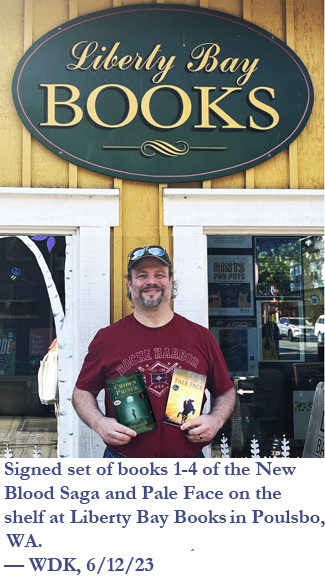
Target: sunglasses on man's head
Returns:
[152, 250]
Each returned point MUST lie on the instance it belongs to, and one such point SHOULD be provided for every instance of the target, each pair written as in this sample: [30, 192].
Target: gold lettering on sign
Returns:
[206, 106]
[87, 59]
[186, 106]
[131, 107]
[261, 106]
[86, 52]
[206, 55]
[132, 102]
[52, 103]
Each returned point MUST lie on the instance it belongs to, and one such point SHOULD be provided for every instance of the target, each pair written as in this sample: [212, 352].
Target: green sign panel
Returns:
[162, 93]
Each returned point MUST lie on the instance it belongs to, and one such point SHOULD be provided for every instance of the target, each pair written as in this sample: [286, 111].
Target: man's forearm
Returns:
[222, 406]
[86, 406]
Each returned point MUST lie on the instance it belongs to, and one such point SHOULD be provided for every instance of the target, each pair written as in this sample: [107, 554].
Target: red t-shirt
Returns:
[128, 346]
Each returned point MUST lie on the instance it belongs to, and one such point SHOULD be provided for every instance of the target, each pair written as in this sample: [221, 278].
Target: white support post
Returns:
[190, 266]
[94, 287]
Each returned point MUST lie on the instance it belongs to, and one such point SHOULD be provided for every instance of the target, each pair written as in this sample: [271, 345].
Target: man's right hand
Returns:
[111, 432]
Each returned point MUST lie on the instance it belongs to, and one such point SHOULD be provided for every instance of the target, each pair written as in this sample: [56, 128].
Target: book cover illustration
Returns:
[7, 352]
[185, 397]
[131, 402]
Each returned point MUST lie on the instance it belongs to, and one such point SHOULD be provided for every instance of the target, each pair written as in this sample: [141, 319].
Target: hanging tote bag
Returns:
[48, 386]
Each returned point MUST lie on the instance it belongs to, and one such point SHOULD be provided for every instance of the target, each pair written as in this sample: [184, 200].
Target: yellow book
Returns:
[185, 397]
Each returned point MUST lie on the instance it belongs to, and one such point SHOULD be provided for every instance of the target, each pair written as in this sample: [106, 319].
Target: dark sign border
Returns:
[160, 177]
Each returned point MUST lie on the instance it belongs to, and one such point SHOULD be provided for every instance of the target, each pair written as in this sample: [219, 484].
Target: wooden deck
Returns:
[22, 434]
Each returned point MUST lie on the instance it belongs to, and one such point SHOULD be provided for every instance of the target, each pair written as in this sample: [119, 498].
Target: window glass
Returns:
[26, 332]
[266, 309]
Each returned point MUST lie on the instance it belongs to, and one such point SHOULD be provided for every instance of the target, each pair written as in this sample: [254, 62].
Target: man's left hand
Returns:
[201, 429]
[204, 428]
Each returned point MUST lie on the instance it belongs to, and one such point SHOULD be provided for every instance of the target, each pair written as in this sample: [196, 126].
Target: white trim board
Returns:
[60, 191]
[240, 208]
[31, 207]
[241, 192]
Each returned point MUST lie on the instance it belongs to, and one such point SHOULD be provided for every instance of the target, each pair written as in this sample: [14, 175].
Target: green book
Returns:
[131, 402]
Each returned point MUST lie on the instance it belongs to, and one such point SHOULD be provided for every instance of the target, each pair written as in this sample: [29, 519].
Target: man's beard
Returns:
[154, 302]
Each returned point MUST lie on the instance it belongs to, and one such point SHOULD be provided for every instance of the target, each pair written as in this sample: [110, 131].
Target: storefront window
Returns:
[26, 331]
[266, 309]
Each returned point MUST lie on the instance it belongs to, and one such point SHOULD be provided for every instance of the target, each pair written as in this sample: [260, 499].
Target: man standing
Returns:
[154, 340]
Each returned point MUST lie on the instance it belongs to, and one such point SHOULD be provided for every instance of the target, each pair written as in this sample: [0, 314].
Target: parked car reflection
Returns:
[319, 328]
[296, 328]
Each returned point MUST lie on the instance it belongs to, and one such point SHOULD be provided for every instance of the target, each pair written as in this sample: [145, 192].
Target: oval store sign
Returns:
[162, 93]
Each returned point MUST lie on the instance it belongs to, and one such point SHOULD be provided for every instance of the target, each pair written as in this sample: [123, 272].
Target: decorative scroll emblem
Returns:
[162, 93]
[163, 148]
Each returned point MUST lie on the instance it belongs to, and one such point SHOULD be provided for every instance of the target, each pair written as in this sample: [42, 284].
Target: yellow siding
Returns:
[11, 34]
[233, 7]
[87, 6]
[271, 17]
[24, 161]
[140, 220]
[47, 169]
[309, 45]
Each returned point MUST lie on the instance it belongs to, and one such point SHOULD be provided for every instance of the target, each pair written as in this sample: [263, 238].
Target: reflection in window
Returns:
[26, 331]
[266, 309]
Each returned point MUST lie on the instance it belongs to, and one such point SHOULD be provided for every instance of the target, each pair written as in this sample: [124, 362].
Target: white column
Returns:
[94, 313]
[190, 266]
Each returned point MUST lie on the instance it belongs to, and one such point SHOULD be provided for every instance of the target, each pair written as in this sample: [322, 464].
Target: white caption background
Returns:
[256, 515]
